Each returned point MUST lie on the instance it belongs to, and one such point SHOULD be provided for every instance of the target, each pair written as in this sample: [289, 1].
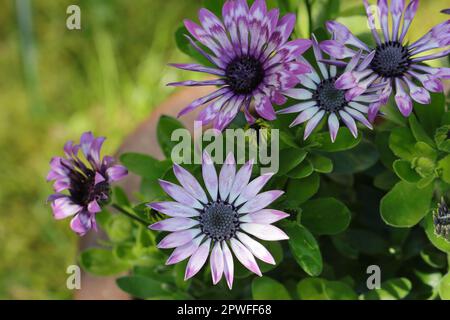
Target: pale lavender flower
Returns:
[250, 53]
[87, 182]
[220, 221]
[321, 99]
[395, 64]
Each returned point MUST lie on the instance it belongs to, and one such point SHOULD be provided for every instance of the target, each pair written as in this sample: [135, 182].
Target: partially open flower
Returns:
[87, 182]
[228, 215]
[395, 64]
[251, 56]
[320, 99]
[441, 219]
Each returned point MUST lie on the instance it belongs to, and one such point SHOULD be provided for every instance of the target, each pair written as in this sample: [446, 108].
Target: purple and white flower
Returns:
[251, 56]
[87, 182]
[396, 65]
[221, 221]
[319, 97]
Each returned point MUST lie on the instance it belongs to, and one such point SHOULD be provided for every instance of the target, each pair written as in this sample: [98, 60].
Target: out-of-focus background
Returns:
[55, 84]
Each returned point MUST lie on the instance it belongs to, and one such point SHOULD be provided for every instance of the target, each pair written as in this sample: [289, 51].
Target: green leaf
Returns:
[321, 163]
[276, 250]
[430, 115]
[355, 241]
[304, 248]
[402, 143]
[166, 125]
[438, 241]
[344, 141]
[102, 262]
[444, 287]
[321, 289]
[325, 216]
[405, 172]
[141, 287]
[444, 168]
[303, 20]
[441, 137]
[300, 190]
[393, 289]
[385, 180]
[303, 170]
[120, 197]
[266, 288]
[387, 157]
[119, 228]
[418, 131]
[289, 159]
[358, 159]
[405, 205]
[144, 165]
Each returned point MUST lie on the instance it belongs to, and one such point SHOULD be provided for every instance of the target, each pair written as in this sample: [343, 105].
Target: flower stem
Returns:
[129, 215]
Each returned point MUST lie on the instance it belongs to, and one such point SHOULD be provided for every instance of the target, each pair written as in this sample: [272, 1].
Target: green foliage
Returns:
[102, 262]
[322, 289]
[166, 125]
[393, 289]
[266, 288]
[304, 248]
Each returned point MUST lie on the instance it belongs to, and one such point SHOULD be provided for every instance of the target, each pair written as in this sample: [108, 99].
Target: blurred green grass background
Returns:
[58, 83]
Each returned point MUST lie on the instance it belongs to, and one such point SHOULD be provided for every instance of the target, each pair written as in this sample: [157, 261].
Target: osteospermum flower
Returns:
[87, 182]
[394, 63]
[250, 55]
[321, 99]
[441, 220]
[228, 215]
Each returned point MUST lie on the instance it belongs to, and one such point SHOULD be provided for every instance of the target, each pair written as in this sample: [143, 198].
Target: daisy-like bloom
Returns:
[220, 221]
[321, 99]
[441, 219]
[394, 63]
[250, 53]
[87, 182]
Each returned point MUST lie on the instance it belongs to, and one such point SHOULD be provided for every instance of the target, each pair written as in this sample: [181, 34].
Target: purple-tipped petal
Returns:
[245, 256]
[189, 183]
[179, 194]
[419, 94]
[349, 122]
[305, 116]
[210, 176]
[197, 103]
[116, 173]
[383, 15]
[333, 126]
[193, 83]
[174, 209]
[410, 12]
[256, 248]
[397, 8]
[81, 223]
[265, 232]
[226, 176]
[64, 207]
[228, 267]
[358, 116]
[402, 99]
[336, 49]
[312, 124]
[198, 68]
[253, 188]
[260, 201]
[264, 107]
[371, 21]
[197, 260]
[185, 251]
[241, 180]
[265, 216]
[374, 108]
[343, 35]
[174, 224]
[94, 207]
[177, 239]
[299, 94]
[217, 263]
[299, 107]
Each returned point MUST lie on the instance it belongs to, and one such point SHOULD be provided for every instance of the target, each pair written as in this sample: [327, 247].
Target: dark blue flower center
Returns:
[244, 74]
[219, 221]
[328, 97]
[84, 190]
[391, 60]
